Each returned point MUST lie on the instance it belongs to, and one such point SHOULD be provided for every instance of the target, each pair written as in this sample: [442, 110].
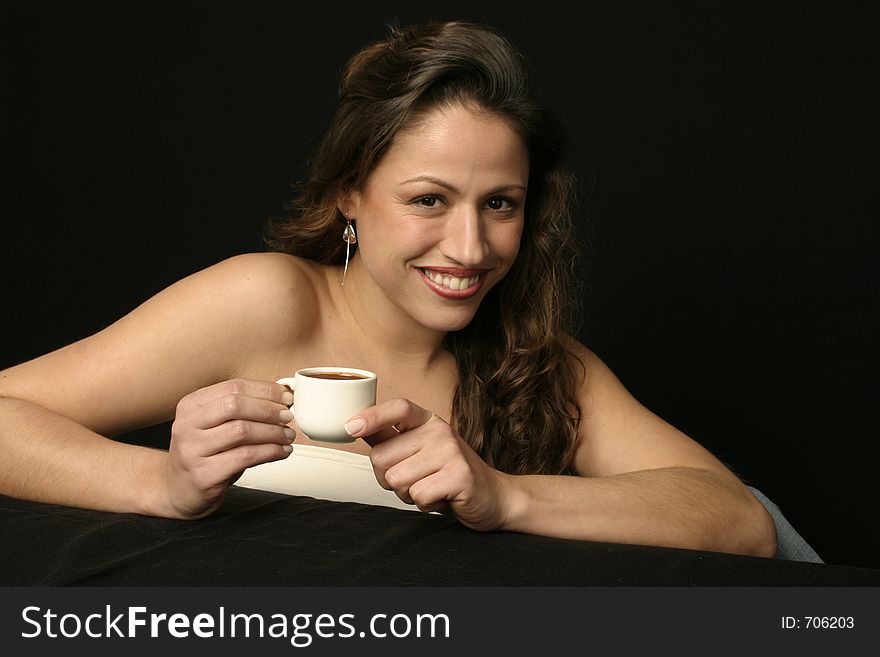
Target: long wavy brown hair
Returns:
[516, 401]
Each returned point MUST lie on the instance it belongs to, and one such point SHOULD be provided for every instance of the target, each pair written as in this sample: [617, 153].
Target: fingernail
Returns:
[289, 433]
[287, 398]
[354, 426]
[285, 416]
[287, 448]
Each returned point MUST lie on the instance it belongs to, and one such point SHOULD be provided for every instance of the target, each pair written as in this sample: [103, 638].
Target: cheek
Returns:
[415, 236]
[506, 242]
[389, 243]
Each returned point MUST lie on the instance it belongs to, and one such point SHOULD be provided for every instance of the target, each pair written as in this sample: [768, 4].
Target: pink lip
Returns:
[445, 292]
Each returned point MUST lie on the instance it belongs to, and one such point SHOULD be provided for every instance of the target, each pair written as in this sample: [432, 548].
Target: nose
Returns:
[465, 237]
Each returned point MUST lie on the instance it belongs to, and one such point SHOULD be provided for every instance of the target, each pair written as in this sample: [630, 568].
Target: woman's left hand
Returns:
[425, 462]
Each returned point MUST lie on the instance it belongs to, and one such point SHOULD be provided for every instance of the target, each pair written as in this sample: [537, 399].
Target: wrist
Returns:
[150, 494]
[515, 499]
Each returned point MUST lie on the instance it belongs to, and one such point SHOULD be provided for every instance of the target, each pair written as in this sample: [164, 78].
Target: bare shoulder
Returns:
[594, 378]
[603, 397]
[618, 434]
[196, 332]
[260, 275]
[253, 299]
[265, 289]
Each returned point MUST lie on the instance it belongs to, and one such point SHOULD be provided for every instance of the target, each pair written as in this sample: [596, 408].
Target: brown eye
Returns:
[500, 204]
[427, 201]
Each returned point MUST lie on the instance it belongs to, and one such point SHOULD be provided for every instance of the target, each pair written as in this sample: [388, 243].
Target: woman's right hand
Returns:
[218, 432]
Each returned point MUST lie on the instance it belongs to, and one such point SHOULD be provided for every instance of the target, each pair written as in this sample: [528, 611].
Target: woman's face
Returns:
[440, 218]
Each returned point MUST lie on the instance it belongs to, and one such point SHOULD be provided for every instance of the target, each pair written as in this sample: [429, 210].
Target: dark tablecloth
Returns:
[259, 538]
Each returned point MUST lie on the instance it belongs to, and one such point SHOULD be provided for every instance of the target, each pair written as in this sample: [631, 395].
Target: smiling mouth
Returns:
[458, 285]
[449, 281]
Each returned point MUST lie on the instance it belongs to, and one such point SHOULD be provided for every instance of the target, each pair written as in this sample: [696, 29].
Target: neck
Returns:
[379, 323]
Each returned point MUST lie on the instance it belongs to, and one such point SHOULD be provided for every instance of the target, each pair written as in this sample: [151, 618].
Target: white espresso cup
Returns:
[325, 398]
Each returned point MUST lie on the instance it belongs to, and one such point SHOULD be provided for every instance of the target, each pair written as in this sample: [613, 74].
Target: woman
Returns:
[429, 245]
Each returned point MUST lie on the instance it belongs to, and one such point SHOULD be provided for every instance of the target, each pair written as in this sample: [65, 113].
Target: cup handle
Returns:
[289, 381]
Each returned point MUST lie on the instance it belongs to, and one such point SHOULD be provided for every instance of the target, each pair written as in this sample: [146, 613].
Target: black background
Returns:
[727, 153]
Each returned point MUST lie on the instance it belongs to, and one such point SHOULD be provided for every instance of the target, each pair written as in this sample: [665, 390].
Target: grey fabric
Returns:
[791, 545]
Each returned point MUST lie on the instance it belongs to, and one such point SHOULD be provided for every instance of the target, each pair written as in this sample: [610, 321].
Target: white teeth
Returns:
[451, 282]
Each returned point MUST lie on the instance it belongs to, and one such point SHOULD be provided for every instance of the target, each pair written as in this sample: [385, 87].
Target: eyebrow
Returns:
[453, 189]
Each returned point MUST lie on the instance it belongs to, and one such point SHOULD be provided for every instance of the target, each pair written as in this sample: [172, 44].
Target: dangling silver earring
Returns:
[349, 237]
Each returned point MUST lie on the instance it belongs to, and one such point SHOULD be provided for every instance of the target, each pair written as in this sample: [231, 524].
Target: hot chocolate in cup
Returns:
[325, 398]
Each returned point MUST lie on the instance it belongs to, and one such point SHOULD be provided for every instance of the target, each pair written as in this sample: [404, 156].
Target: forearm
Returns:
[675, 507]
[50, 458]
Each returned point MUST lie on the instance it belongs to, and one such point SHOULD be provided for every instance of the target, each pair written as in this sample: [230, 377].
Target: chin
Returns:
[449, 322]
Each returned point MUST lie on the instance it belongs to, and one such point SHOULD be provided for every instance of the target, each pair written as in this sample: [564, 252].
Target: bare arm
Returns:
[643, 481]
[684, 507]
[51, 458]
[56, 410]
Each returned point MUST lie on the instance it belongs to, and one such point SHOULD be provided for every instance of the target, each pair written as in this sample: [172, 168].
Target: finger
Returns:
[384, 436]
[428, 494]
[268, 390]
[244, 432]
[396, 452]
[401, 485]
[405, 473]
[375, 423]
[236, 406]
[399, 464]
[230, 463]
[431, 494]
[441, 506]
[380, 436]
